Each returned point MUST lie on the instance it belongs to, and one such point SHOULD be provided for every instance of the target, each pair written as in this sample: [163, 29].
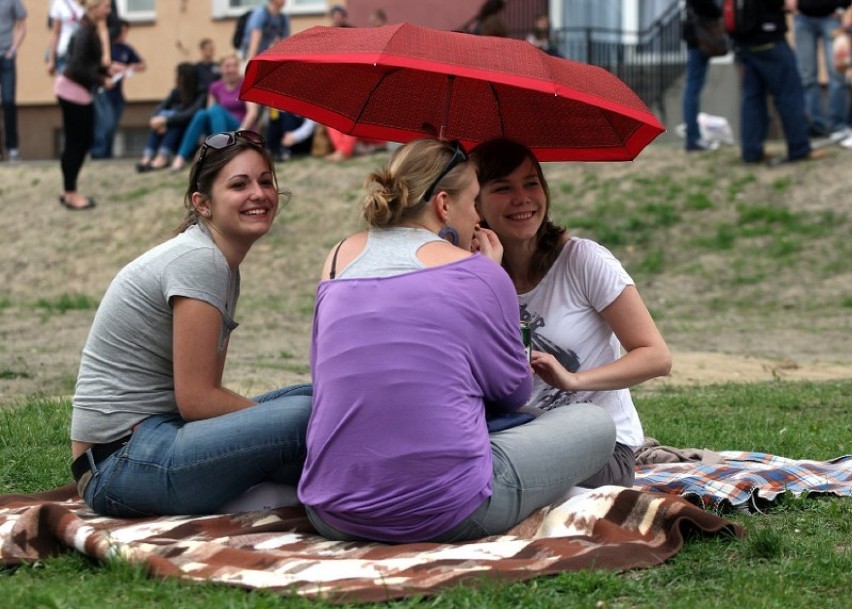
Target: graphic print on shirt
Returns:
[552, 397]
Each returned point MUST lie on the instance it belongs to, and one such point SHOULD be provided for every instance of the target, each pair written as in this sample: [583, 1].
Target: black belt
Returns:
[81, 464]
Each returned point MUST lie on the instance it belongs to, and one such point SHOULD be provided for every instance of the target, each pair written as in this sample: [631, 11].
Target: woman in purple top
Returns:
[414, 340]
[225, 111]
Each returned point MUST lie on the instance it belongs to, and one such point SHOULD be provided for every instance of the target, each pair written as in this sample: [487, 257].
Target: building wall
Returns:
[168, 40]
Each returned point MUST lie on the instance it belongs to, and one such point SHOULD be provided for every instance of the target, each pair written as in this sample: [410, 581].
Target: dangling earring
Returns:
[450, 234]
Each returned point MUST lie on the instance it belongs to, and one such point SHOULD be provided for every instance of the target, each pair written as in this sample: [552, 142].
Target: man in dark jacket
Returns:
[769, 68]
[696, 71]
[816, 21]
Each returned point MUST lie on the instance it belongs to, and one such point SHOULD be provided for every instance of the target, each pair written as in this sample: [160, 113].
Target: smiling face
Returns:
[243, 201]
[514, 206]
[230, 67]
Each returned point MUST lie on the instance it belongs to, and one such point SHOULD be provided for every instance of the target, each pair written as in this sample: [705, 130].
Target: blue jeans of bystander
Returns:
[809, 31]
[771, 69]
[696, 75]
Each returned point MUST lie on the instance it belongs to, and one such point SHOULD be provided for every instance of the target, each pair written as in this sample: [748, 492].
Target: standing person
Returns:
[581, 305]
[266, 26]
[697, 64]
[414, 339]
[64, 17]
[815, 22]
[87, 68]
[13, 29]
[225, 111]
[153, 429]
[769, 68]
[109, 104]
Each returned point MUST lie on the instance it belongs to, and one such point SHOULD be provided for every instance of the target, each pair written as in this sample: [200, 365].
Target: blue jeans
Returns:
[108, 111]
[214, 119]
[696, 76]
[171, 466]
[809, 30]
[535, 464]
[164, 144]
[8, 80]
[771, 69]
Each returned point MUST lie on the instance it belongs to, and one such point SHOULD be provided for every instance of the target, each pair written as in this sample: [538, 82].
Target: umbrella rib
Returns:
[375, 86]
[496, 97]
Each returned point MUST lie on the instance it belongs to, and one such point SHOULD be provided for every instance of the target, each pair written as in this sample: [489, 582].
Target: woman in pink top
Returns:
[225, 111]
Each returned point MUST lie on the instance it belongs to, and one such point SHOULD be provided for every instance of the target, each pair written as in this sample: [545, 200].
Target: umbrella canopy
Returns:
[400, 82]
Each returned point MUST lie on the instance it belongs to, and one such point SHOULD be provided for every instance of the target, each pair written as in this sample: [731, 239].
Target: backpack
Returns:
[240, 29]
[741, 17]
[239, 37]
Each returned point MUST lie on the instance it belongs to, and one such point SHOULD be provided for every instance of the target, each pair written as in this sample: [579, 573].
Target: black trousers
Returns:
[78, 122]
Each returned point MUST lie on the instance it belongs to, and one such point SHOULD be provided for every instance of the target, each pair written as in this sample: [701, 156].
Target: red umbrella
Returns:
[400, 82]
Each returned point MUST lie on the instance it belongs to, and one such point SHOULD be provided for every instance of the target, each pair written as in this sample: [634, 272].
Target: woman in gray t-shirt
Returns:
[153, 430]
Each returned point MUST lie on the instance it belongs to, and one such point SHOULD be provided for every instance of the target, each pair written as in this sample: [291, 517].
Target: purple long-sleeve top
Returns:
[403, 368]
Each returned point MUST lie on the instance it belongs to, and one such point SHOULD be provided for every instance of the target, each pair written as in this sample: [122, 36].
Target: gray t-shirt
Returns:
[11, 11]
[126, 370]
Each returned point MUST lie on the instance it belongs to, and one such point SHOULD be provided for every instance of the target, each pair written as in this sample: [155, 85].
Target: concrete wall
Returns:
[720, 96]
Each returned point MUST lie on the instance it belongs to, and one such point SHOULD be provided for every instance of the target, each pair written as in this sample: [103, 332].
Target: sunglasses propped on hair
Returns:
[220, 141]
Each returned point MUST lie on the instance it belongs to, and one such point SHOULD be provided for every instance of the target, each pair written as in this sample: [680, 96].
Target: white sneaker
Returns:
[847, 143]
[841, 134]
[14, 154]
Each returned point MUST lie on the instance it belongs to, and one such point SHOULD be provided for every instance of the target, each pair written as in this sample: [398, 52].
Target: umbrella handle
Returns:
[450, 80]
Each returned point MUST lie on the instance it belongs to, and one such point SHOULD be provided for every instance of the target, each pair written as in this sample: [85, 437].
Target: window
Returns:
[137, 10]
[306, 7]
[234, 8]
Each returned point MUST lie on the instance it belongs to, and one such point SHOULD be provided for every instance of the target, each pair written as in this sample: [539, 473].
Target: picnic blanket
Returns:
[607, 528]
[746, 481]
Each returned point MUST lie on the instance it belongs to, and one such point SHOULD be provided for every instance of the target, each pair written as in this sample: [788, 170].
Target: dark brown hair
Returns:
[498, 158]
[202, 175]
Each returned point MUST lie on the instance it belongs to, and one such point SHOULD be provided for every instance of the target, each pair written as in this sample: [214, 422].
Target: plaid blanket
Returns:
[608, 528]
[747, 481]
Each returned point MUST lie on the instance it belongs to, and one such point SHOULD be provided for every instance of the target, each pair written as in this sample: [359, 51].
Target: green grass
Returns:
[798, 554]
[67, 302]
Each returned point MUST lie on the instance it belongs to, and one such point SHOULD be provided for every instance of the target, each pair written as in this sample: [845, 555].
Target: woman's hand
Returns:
[553, 373]
[486, 242]
[157, 124]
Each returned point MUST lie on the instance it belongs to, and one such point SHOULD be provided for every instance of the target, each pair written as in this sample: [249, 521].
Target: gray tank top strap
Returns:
[388, 252]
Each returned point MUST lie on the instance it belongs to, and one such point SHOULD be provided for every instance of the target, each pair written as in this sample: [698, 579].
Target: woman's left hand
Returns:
[486, 242]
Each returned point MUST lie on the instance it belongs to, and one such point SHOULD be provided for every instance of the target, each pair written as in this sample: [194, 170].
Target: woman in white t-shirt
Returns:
[593, 337]
[64, 17]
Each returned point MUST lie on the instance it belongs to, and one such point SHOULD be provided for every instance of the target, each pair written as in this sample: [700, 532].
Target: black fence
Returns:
[648, 61]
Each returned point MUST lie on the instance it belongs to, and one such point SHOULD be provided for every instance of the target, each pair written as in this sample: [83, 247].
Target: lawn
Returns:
[797, 554]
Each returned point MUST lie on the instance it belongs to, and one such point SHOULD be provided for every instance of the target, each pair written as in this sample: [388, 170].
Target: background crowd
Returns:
[205, 95]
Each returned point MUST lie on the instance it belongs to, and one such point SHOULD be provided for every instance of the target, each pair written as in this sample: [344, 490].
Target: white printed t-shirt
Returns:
[563, 312]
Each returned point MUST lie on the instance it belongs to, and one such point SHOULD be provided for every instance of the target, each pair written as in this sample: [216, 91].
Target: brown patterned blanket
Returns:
[609, 528]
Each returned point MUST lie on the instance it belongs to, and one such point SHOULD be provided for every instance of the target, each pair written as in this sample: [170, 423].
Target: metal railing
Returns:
[648, 61]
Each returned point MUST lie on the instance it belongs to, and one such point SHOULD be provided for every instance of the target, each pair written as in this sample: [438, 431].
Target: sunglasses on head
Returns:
[220, 141]
[459, 156]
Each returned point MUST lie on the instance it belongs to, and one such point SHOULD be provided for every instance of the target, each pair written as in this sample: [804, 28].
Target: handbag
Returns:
[710, 35]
